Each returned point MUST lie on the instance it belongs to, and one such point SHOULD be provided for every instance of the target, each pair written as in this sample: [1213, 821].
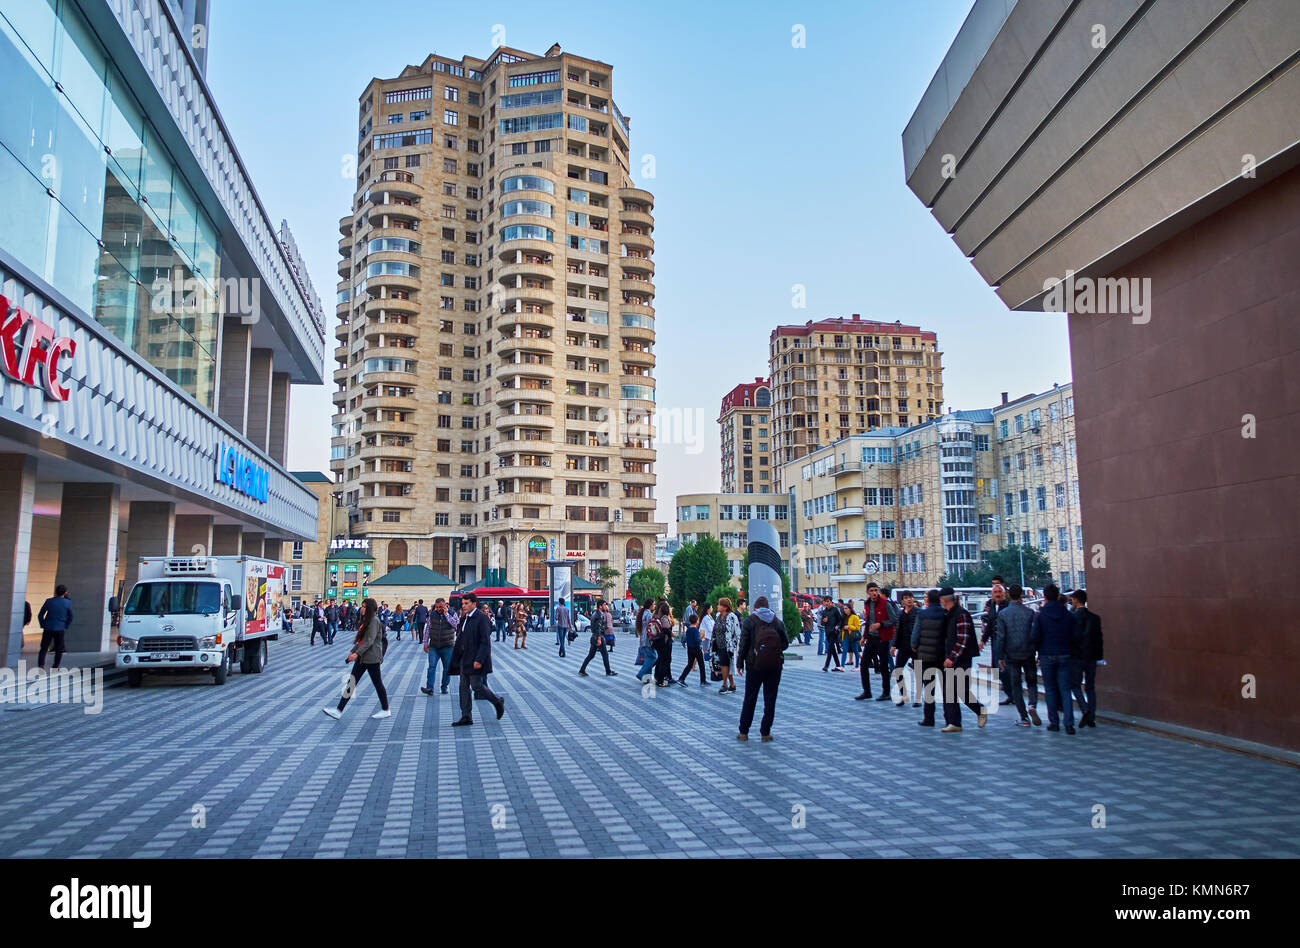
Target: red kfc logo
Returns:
[19, 359]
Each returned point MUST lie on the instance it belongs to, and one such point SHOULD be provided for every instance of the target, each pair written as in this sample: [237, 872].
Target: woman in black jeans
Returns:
[663, 644]
[366, 656]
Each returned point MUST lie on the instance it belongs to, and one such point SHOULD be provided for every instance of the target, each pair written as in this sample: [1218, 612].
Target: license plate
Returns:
[165, 656]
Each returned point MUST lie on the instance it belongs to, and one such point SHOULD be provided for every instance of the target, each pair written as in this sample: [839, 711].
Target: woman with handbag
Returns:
[645, 633]
[852, 638]
[726, 639]
[367, 654]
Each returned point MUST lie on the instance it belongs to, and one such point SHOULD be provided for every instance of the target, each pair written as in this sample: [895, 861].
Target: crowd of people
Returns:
[937, 641]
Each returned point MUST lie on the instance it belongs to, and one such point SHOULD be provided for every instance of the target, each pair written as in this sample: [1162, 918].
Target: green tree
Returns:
[694, 570]
[646, 584]
[717, 592]
[1005, 563]
[606, 576]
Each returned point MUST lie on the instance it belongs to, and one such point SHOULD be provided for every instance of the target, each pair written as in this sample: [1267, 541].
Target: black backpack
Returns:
[765, 650]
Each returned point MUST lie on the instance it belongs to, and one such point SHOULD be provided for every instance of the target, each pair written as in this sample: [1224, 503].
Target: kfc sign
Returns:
[32, 356]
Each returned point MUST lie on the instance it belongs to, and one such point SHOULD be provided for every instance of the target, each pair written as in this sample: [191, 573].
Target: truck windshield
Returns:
[151, 599]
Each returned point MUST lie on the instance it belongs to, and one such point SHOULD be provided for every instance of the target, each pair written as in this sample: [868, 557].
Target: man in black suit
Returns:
[471, 658]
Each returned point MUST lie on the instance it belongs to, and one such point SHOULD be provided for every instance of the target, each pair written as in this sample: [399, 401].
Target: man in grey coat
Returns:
[1015, 637]
[471, 658]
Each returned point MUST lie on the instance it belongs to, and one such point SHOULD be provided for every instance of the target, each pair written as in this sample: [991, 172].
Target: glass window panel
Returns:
[157, 178]
[184, 216]
[28, 103]
[80, 67]
[35, 22]
[71, 266]
[24, 213]
[123, 130]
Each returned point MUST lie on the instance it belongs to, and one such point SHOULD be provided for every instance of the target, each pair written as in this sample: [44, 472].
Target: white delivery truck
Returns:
[200, 613]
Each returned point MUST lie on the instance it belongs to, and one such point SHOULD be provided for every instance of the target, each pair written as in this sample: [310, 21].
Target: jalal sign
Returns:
[241, 472]
[35, 359]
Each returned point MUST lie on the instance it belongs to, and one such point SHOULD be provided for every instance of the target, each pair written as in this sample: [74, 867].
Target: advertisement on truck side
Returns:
[263, 598]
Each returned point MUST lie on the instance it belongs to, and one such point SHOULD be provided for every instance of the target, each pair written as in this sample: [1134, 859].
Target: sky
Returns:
[774, 165]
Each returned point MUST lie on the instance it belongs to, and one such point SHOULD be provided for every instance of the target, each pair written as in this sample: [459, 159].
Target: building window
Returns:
[297, 549]
[396, 554]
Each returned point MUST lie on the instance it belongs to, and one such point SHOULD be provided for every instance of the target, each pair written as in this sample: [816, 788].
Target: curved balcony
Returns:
[643, 266]
[389, 402]
[640, 195]
[634, 357]
[406, 502]
[509, 370]
[341, 375]
[345, 267]
[509, 393]
[511, 321]
[507, 420]
[342, 331]
[642, 242]
[529, 244]
[517, 296]
[389, 452]
[405, 379]
[378, 428]
[374, 329]
[509, 344]
[393, 304]
[406, 213]
[637, 219]
[531, 498]
[637, 454]
[544, 272]
[387, 477]
[398, 183]
[545, 445]
[411, 284]
[844, 512]
[640, 309]
[543, 472]
[345, 226]
[643, 287]
[639, 477]
[848, 545]
[640, 503]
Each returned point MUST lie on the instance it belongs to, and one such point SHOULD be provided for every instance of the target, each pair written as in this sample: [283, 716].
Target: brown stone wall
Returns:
[1201, 526]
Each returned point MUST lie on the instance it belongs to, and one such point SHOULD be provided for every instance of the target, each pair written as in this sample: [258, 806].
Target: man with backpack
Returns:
[763, 641]
[880, 622]
[961, 645]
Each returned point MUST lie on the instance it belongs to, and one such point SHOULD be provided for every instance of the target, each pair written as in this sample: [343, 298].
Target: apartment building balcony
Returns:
[510, 369]
[638, 268]
[640, 219]
[390, 402]
[644, 527]
[393, 335]
[848, 545]
[345, 226]
[639, 477]
[526, 269]
[847, 467]
[530, 471]
[510, 344]
[633, 357]
[641, 287]
[342, 331]
[378, 428]
[406, 502]
[387, 477]
[386, 451]
[512, 320]
[507, 421]
[341, 375]
[634, 236]
[544, 499]
[844, 512]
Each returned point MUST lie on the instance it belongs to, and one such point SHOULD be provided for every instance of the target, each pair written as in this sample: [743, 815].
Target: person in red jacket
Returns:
[878, 625]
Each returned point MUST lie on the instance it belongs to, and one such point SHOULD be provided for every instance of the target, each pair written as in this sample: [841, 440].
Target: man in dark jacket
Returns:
[763, 641]
[1016, 664]
[439, 638]
[471, 658]
[901, 650]
[833, 623]
[420, 618]
[504, 619]
[601, 626]
[55, 617]
[960, 649]
[928, 646]
[1054, 635]
[1087, 653]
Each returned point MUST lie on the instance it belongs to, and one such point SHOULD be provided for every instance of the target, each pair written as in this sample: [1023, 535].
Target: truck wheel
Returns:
[134, 678]
[257, 660]
[220, 673]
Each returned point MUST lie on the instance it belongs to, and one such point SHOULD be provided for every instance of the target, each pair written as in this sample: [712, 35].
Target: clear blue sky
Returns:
[774, 166]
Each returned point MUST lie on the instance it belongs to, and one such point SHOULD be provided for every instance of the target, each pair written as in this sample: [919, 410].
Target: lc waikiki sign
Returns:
[241, 472]
[39, 347]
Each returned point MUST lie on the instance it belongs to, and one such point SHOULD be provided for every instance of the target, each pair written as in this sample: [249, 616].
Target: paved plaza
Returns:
[595, 768]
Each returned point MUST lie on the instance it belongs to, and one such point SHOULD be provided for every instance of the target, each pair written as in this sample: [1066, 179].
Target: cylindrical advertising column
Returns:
[764, 577]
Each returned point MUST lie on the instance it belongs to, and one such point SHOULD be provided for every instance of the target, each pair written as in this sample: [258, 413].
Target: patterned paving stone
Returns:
[598, 767]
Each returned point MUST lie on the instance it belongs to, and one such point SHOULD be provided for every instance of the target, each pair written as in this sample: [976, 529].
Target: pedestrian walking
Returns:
[663, 644]
[563, 621]
[833, 623]
[989, 636]
[806, 622]
[901, 651]
[420, 617]
[1054, 640]
[367, 654]
[763, 641]
[962, 646]
[645, 634]
[54, 618]
[439, 639]
[521, 625]
[1016, 663]
[881, 620]
[472, 660]
[707, 622]
[694, 655]
[601, 626]
[850, 653]
[726, 640]
[928, 648]
[1087, 655]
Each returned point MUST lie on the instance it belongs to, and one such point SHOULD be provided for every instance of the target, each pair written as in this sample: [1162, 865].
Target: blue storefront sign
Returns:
[241, 472]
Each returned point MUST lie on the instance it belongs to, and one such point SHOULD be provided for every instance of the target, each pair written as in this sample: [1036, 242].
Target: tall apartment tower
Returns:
[745, 423]
[838, 377]
[496, 323]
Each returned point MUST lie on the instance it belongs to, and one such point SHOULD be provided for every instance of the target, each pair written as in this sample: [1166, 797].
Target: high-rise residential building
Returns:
[843, 376]
[155, 318]
[745, 423]
[495, 378]
[1038, 472]
[904, 506]
[726, 516]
